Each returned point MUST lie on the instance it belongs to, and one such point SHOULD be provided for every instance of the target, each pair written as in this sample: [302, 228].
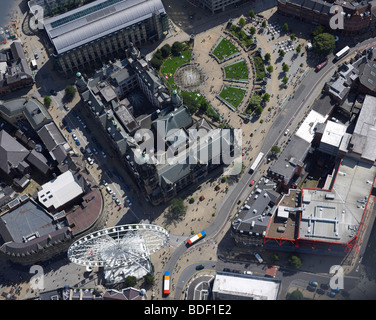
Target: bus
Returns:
[256, 162]
[321, 65]
[196, 237]
[342, 53]
[166, 283]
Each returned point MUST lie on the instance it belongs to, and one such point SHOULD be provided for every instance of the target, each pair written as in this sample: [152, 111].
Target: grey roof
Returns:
[25, 220]
[97, 19]
[11, 152]
[364, 135]
[179, 118]
[293, 154]
[51, 136]
[38, 160]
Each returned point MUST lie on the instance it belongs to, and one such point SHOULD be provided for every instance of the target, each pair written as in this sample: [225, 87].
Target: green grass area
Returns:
[224, 49]
[232, 95]
[171, 64]
[238, 71]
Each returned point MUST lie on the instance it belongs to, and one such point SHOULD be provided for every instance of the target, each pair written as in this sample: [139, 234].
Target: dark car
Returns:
[320, 291]
[200, 267]
[68, 129]
[53, 92]
[310, 288]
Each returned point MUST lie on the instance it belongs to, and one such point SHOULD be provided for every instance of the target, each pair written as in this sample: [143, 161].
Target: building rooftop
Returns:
[97, 19]
[308, 128]
[59, 191]
[334, 215]
[363, 140]
[246, 287]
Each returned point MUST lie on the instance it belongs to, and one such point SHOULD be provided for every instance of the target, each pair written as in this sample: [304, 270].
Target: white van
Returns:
[258, 257]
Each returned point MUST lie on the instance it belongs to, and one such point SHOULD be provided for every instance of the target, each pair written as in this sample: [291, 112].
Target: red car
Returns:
[252, 182]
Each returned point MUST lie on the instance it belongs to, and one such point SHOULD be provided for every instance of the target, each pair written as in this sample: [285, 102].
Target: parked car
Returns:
[77, 142]
[104, 182]
[313, 283]
[118, 201]
[108, 189]
[74, 136]
[331, 294]
[66, 108]
[90, 160]
[68, 129]
[129, 202]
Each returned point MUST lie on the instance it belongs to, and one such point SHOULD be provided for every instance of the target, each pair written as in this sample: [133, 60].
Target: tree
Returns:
[323, 43]
[70, 92]
[267, 57]
[177, 208]
[270, 69]
[258, 110]
[130, 281]
[292, 37]
[158, 54]
[176, 48]
[275, 150]
[295, 261]
[295, 295]
[318, 30]
[281, 53]
[166, 50]
[285, 80]
[241, 22]
[285, 67]
[266, 97]
[263, 24]
[251, 14]
[298, 48]
[156, 63]
[285, 27]
[149, 279]
[252, 30]
[47, 101]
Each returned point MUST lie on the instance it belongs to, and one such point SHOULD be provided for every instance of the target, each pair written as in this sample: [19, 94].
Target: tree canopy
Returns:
[323, 43]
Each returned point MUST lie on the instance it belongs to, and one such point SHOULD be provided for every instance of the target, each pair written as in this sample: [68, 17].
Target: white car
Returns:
[118, 202]
[109, 190]
[74, 136]
[104, 182]
[287, 132]
[90, 160]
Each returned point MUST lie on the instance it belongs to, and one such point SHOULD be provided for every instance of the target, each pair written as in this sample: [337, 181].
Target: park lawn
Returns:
[237, 71]
[171, 64]
[232, 95]
[224, 49]
[196, 100]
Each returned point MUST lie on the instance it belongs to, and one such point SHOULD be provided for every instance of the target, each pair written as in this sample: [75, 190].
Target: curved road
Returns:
[304, 96]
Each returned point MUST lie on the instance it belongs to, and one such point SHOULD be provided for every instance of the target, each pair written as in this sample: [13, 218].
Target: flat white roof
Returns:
[335, 215]
[59, 191]
[333, 133]
[246, 286]
[307, 130]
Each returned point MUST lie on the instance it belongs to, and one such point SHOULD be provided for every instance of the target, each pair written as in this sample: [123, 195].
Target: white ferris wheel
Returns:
[125, 247]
